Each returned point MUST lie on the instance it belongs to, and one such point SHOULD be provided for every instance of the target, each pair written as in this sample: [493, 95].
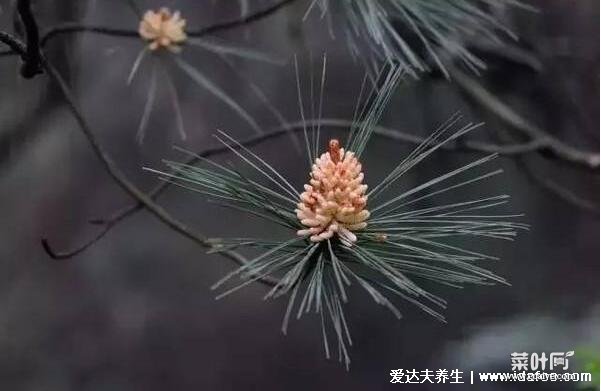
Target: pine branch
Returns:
[118, 216]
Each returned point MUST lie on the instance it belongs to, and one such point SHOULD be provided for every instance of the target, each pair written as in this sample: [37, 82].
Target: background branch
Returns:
[546, 141]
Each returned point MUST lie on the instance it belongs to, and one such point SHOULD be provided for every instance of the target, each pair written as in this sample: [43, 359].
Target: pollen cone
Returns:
[334, 200]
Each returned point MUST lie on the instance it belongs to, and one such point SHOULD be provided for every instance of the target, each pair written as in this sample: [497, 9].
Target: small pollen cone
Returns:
[334, 201]
[163, 29]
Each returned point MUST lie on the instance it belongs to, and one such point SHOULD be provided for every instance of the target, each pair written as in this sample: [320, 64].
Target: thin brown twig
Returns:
[73, 27]
[114, 171]
[129, 210]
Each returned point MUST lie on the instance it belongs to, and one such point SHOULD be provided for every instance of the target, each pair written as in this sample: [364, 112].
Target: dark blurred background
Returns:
[135, 312]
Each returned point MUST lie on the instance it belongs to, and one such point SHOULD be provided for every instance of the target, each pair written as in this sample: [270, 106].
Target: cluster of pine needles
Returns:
[404, 242]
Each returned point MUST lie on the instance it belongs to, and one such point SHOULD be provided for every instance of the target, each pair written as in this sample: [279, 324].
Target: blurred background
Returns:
[135, 312]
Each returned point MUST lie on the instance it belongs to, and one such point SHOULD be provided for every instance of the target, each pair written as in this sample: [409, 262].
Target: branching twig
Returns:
[545, 141]
[547, 184]
[122, 180]
[506, 114]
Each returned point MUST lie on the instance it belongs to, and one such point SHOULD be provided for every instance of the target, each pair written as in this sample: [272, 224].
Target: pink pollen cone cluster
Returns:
[334, 200]
[163, 29]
